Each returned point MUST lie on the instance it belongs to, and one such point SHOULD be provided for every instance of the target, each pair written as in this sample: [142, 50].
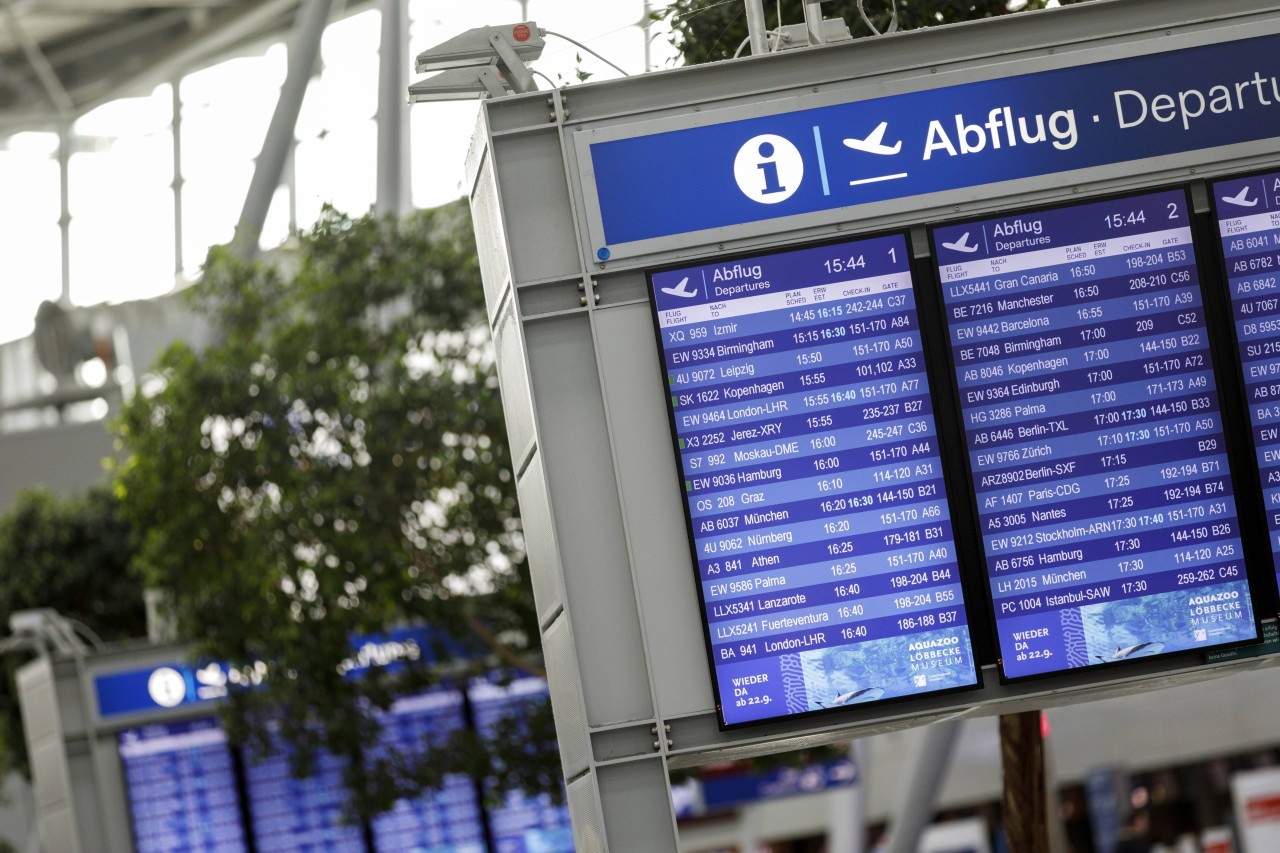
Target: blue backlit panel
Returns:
[447, 820]
[1095, 442]
[1248, 219]
[519, 823]
[818, 515]
[299, 815]
[182, 788]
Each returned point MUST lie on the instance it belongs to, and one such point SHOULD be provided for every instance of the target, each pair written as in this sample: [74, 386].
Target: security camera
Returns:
[478, 47]
[461, 83]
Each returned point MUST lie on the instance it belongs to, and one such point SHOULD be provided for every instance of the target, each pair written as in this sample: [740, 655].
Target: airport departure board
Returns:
[182, 788]
[1248, 217]
[447, 819]
[519, 823]
[291, 815]
[1095, 442]
[818, 515]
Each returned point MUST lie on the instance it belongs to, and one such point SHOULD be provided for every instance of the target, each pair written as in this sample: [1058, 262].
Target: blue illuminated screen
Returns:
[808, 454]
[1095, 442]
[519, 822]
[448, 818]
[290, 815]
[1248, 217]
[182, 788]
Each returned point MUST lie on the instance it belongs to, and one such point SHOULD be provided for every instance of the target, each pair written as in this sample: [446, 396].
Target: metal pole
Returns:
[861, 760]
[1024, 804]
[176, 127]
[920, 793]
[64, 214]
[393, 78]
[303, 51]
[646, 24]
[40, 64]
[813, 21]
[757, 29]
[291, 181]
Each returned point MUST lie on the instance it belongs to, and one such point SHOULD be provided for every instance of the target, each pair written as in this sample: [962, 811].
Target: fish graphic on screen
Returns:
[866, 694]
[1137, 650]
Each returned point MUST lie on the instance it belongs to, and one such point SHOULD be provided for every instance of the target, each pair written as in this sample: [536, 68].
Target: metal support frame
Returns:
[757, 29]
[39, 63]
[813, 21]
[304, 49]
[393, 127]
[920, 793]
[175, 126]
[620, 621]
[519, 77]
[224, 32]
[65, 141]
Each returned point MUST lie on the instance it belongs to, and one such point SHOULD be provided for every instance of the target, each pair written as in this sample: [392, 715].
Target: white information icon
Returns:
[768, 169]
[167, 687]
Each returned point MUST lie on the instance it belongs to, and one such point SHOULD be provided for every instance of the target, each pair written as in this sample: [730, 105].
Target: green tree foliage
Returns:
[336, 466]
[710, 30]
[70, 554]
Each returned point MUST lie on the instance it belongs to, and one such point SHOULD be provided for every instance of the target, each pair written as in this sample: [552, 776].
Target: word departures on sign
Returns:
[817, 510]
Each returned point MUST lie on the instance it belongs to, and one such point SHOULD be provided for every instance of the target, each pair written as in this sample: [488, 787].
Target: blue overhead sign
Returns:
[811, 160]
[179, 683]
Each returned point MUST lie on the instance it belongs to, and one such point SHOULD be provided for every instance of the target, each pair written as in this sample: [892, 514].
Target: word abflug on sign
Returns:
[804, 161]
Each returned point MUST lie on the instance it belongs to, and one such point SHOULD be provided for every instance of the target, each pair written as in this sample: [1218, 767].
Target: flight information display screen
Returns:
[808, 453]
[1095, 443]
[519, 823]
[182, 788]
[1248, 216]
[299, 815]
[447, 819]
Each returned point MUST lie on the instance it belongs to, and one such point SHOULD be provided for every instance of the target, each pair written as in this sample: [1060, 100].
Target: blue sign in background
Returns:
[825, 158]
[130, 691]
[183, 796]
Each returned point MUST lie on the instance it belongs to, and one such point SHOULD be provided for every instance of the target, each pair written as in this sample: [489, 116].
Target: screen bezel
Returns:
[912, 270]
[1214, 334]
[1223, 281]
[237, 786]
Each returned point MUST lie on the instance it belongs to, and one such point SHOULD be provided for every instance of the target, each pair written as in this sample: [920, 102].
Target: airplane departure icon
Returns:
[679, 289]
[961, 245]
[1241, 199]
[874, 143]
